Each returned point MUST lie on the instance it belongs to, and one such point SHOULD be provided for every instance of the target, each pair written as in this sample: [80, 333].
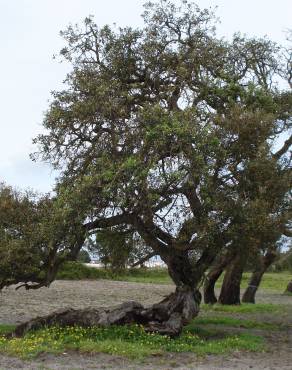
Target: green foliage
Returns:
[162, 135]
[167, 127]
[284, 262]
[118, 248]
[77, 271]
[130, 341]
[22, 242]
[33, 232]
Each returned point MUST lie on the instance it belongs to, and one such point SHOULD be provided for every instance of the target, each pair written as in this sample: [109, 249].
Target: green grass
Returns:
[131, 341]
[271, 280]
[5, 329]
[153, 275]
[237, 323]
[77, 271]
[244, 308]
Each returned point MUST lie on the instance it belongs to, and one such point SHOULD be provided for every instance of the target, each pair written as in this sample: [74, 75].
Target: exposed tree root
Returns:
[166, 317]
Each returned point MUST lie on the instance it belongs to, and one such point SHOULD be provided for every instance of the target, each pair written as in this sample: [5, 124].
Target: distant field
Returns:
[76, 271]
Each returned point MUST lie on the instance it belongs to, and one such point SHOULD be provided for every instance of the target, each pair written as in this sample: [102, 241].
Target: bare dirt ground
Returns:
[19, 306]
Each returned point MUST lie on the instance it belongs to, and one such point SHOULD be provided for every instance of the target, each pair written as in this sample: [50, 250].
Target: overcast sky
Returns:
[29, 31]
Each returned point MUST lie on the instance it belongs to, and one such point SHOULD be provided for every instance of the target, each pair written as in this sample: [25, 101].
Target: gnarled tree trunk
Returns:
[166, 317]
[209, 286]
[256, 277]
[212, 277]
[230, 290]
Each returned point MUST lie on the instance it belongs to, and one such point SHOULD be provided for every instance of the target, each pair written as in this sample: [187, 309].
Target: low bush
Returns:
[79, 271]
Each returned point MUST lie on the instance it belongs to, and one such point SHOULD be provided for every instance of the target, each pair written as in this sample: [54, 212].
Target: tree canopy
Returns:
[169, 130]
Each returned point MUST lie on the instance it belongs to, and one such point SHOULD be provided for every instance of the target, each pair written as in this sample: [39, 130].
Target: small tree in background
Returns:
[22, 245]
[119, 249]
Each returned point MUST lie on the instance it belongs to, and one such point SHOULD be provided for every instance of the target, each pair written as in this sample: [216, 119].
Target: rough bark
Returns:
[180, 269]
[230, 290]
[212, 277]
[209, 286]
[166, 317]
[256, 277]
[289, 287]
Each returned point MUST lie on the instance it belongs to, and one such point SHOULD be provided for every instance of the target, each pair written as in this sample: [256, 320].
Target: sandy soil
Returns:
[18, 306]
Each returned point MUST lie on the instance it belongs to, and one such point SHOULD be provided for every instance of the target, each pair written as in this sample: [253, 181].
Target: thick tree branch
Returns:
[284, 148]
[144, 259]
[109, 221]
[287, 233]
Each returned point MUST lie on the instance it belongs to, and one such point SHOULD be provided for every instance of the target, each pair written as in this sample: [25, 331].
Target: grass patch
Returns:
[237, 323]
[153, 275]
[131, 341]
[271, 280]
[243, 308]
[5, 329]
